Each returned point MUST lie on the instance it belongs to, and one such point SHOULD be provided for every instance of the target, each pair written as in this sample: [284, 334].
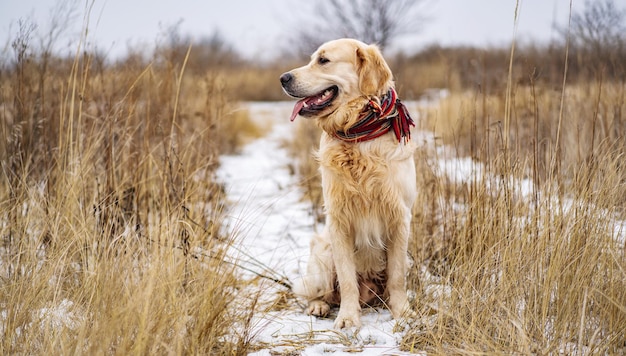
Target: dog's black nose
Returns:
[286, 78]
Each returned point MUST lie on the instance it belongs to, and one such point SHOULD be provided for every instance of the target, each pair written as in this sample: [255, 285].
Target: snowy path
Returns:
[273, 226]
[266, 213]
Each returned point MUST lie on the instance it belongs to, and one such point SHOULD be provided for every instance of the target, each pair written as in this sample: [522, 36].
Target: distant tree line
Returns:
[595, 40]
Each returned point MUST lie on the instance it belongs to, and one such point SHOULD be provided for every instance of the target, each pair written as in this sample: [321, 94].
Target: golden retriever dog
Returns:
[368, 181]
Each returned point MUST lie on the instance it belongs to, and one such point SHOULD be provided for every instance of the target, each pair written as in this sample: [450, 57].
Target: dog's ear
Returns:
[372, 70]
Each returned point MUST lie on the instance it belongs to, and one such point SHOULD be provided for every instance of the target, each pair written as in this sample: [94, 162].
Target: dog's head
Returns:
[339, 72]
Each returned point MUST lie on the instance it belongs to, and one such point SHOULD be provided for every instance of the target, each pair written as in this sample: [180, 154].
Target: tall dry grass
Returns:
[593, 123]
[109, 211]
[526, 253]
[507, 269]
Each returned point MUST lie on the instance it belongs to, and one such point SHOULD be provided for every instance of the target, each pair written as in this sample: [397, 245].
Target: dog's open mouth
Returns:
[314, 104]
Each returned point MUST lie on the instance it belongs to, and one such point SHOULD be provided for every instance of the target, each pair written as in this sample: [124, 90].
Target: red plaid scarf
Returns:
[378, 119]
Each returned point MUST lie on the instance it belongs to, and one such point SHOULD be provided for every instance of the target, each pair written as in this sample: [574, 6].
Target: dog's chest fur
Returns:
[362, 194]
[364, 171]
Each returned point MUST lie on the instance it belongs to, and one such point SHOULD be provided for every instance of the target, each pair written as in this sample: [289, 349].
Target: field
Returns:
[117, 228]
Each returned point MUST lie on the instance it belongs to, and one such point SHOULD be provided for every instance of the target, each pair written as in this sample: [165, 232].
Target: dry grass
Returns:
[525, 255]
[519, 267]
[109, 214]
[593, 122]
[506, 272]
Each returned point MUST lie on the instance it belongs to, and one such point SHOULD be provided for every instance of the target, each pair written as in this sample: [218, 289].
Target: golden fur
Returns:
[369, 189]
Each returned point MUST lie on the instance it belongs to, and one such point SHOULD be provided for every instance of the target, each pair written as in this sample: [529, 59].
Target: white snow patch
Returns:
[289, 331]
[59, 316]
[271, 223]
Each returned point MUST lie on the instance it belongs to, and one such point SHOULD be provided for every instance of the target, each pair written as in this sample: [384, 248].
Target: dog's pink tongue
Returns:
[296, 109]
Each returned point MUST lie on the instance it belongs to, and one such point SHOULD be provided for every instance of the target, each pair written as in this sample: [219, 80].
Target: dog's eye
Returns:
[323, 60]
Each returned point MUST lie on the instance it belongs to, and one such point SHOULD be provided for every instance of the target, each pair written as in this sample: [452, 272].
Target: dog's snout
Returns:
[286, 78]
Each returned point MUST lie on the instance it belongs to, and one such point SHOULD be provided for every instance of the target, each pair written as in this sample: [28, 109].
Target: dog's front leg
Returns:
[343, 258]
[397, 269]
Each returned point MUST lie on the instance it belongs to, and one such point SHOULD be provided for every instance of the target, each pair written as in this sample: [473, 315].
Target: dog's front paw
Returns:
[347, 319]
[400, 308]
[404, 313]
[318, 308]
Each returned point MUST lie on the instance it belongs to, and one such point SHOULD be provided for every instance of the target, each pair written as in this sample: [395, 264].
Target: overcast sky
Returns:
[259, 27]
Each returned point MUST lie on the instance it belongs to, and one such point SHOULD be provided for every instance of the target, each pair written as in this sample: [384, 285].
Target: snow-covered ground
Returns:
[273, 226]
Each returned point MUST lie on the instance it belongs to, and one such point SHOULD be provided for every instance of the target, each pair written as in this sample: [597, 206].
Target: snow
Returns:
[285, 331]
[55, 317]
[59, 316]
[273, 227]
[267, 215]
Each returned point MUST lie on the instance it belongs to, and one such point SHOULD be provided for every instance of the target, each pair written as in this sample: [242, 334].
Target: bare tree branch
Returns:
[601, 26]
[371, 21]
